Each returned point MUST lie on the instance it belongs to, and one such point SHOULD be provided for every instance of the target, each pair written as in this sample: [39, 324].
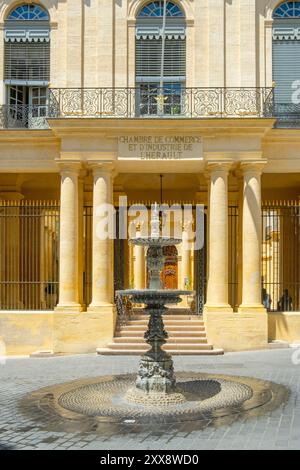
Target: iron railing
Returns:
[23, 117]
[281, 256]
[154, 102]
[151, 102]
[29, 241]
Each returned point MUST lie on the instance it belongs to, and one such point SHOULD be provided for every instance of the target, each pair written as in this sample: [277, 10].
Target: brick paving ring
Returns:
[207, 397]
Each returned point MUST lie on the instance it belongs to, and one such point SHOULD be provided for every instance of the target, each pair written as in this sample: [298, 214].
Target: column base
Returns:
[68, 308]
[96, 307]
[209, 308]
[244, 331]
[83, 332]
[252, 308]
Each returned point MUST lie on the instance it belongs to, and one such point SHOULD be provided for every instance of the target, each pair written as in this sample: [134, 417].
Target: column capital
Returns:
[254, 167]
[102, 167]
[69, 166]
[218, 167]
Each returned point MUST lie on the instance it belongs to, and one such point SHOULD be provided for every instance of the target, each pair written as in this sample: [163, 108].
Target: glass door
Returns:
[155, 101]
[16, 106]
[37, 107]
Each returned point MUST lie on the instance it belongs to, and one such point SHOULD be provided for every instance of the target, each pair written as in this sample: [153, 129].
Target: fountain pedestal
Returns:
[156, 379]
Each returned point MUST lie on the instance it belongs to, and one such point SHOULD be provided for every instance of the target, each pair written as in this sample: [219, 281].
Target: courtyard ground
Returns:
[279, 429]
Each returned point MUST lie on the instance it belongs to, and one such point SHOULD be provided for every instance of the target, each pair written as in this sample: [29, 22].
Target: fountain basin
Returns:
[155, 296]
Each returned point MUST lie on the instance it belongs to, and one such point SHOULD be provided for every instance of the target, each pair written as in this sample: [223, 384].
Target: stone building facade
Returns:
[82, 91]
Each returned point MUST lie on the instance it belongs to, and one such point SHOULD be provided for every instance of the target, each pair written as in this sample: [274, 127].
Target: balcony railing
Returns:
[154, 102]
[150, 102]
[23, 117]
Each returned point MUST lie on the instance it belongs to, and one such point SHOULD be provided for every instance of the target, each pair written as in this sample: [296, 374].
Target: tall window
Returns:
[160, 88]
[27, 64]
[286, 56]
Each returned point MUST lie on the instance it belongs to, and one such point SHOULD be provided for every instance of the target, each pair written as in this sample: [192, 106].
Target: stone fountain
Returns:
[156, 380]
[155, 397]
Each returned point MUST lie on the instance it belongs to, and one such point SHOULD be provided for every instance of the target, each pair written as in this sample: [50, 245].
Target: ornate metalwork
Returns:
[163, 103]
[151, 102]
[23, 117]
[124, 309]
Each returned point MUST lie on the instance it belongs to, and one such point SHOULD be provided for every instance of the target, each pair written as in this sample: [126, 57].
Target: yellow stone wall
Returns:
[237, 331]
[92, 43]
[25, 333]
[284, 326]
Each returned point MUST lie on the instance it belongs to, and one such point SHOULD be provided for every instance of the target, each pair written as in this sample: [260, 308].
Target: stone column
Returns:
[186, 257]
[252, 237]
[69, 276]
[139, 265]
[217, 290]
[102, 250]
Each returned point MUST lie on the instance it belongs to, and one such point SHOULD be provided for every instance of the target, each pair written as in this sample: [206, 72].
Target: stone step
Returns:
[172, 334]
[174, 352]
[166, 347]
[278, 344]
[171, 329]
[135, 339]
[171, 310]
[166, 322]
[186, 318]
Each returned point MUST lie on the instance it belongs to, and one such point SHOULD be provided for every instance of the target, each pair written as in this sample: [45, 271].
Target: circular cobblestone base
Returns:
[133, 395]
[116, 398]
[207, 397]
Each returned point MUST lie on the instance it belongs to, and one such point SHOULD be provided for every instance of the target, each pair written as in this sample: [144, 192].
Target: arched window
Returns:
[287, 10]
[286, 58]
[29, 12]
[155, 10]
[160, 87]
[27, 64]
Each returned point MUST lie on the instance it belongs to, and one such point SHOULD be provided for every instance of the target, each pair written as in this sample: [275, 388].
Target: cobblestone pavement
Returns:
[279, 429]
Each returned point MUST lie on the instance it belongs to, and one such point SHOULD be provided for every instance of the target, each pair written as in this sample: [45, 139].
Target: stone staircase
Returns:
[187, 336]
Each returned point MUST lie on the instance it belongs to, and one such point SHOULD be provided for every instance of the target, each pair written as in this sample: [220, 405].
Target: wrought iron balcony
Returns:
[149, 101]
[23, 117]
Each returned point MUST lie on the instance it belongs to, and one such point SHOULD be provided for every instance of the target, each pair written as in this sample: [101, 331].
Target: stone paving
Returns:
[279, 429]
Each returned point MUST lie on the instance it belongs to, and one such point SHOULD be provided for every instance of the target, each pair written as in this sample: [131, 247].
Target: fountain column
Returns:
[252, 237]
[102, 249]
[217, 290]
[69, 278]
